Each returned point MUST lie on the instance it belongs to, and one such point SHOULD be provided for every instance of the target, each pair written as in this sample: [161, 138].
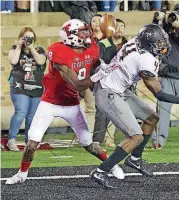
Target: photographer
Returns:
[169, 72]
[28, 65]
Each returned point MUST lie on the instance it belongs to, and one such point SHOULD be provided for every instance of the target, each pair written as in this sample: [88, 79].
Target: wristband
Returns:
[99, 75]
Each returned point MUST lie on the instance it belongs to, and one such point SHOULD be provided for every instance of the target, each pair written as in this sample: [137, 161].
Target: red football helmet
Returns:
[76, 33]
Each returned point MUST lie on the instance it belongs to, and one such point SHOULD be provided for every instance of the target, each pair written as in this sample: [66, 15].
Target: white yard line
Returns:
[87, 176]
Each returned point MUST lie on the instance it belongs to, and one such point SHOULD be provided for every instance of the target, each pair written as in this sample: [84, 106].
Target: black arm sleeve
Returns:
[107, 54]
[162, 96]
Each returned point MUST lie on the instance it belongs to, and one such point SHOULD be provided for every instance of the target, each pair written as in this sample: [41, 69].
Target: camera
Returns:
[173, 16]
[28, 40]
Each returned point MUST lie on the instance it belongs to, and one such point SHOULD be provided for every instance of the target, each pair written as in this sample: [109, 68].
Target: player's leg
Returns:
[120, 114]
[41, 121]
[78, 122]
[150, 118]
[76, 118]
[100, 126]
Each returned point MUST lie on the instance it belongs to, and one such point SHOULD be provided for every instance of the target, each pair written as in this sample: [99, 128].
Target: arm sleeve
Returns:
[162, 96]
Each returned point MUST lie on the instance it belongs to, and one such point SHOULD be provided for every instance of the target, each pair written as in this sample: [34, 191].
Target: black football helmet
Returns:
[154, 39]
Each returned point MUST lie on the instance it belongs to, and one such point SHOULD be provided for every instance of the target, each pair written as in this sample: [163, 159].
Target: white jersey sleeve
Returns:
[147, 62]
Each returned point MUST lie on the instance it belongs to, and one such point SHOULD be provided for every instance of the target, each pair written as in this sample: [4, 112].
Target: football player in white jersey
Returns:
[136, 60]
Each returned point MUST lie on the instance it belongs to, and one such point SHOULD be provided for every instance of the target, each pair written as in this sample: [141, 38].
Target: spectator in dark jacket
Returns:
[83, 10]
[169, 73]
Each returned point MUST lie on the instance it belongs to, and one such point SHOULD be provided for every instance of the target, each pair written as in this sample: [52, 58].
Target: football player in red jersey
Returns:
[70, 62]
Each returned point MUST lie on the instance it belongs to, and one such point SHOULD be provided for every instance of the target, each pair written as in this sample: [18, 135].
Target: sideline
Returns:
[87, 176]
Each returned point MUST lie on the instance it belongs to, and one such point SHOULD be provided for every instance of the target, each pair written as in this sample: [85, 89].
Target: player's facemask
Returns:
[163, 47]
[85, 34]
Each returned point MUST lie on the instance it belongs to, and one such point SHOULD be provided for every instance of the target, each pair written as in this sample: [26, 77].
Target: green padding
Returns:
[106, 42]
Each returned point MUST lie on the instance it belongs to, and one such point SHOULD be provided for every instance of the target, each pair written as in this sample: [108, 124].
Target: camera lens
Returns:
[156, 14]
[172, 17]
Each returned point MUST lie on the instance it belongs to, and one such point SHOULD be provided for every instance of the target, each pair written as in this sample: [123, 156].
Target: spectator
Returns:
[176, 8]
[108, 49]
[107, 6]
[50, 6]
[28, 65]
[132, 5]
[156, 5]
[169, 72]
[83, 10]
[95, 26]
[23, 6]
[7, 6]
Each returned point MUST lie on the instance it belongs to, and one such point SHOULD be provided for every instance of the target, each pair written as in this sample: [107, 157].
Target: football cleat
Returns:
[117, 172]
[20, 177]
[138, 165]
[101, 178]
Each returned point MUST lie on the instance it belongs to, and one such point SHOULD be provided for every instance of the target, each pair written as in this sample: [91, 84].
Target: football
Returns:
[108, 25]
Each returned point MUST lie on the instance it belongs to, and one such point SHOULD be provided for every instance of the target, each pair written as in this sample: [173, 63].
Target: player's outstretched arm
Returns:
[155, 87]
[71, 77]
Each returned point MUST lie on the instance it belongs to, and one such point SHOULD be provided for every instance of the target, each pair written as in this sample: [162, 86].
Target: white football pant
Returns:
[72, 114]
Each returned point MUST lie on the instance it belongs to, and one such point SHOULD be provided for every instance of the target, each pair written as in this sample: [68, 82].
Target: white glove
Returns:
[99, 75]
[102, 71]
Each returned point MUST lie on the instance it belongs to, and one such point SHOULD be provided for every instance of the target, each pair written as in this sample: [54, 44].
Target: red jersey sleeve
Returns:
[56, 53]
